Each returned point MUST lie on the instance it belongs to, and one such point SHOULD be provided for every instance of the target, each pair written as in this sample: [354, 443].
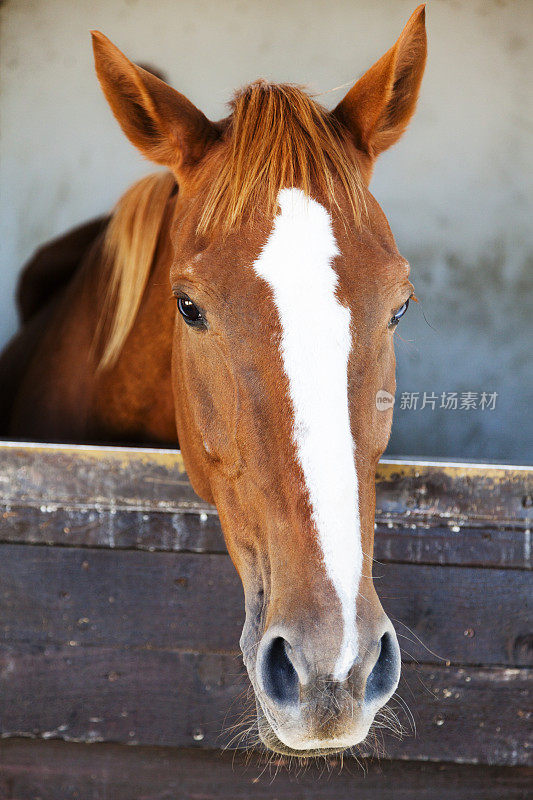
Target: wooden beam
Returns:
[134, 477]
[171, 698]
[198, 531]
[53, 770]
[53, 595]
[129, 498]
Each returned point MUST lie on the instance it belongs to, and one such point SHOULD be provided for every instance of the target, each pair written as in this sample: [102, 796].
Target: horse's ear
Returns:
[165, 126]
[378, 108]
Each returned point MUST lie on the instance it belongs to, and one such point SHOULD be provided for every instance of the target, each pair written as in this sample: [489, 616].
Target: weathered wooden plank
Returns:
[180, 699]
[198, 530]
[122, 598]
[195, 602]
[137, 476]
[456, 545]
[125, 476]
[461, 491]
[64, 771]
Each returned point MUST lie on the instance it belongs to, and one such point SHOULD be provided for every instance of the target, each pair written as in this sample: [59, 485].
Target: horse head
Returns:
[289, 286]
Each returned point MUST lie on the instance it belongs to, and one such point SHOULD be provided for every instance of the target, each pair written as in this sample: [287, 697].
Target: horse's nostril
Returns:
[384, 676]
[280, 679]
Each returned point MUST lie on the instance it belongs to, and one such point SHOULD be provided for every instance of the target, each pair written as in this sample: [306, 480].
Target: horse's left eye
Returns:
[190, 311]
[396, 317]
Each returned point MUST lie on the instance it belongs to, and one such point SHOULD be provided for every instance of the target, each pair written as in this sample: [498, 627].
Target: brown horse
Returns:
[289, 286]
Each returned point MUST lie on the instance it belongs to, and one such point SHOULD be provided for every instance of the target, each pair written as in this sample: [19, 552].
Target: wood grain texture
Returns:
[197, 530]
[122, 476]
[454, 491]
[426, 492]
[59, 771]
[141, 498]
[52, 595]
[124, 628]
[173, 698]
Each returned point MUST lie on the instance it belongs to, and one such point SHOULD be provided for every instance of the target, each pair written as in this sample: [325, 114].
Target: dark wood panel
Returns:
[198, 530]
[52, 595]
[100, 635]
[195, 531]
[169, 698]
[453, 544]
[195, 602]
[59, 771]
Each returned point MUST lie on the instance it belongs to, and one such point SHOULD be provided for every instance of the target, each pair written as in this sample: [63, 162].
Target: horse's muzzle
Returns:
[302, 709]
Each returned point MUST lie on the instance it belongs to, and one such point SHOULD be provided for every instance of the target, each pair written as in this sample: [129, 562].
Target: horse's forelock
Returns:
[277, 136]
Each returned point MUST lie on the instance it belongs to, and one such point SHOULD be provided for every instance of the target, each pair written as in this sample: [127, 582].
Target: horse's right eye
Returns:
[190, 312]
[396, 317]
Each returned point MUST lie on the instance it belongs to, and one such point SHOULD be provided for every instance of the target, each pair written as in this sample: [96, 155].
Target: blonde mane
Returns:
[277, 136]
[128, 252]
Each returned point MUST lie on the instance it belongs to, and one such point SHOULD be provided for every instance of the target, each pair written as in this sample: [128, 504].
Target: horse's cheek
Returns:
[213, 405]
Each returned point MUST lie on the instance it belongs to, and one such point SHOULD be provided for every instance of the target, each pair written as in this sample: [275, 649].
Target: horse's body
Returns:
[288, 284]
[53, 363]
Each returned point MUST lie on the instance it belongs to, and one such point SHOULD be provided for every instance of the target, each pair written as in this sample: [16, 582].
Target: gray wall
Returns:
[455, 189]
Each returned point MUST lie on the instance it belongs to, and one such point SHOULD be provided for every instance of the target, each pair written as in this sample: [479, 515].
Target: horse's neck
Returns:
[129, 402]
[133, 399]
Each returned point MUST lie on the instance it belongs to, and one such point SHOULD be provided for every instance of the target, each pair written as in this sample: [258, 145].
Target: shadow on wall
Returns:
[464, 362]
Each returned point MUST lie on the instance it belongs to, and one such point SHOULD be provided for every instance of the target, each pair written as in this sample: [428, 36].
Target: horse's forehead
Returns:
[363, 253]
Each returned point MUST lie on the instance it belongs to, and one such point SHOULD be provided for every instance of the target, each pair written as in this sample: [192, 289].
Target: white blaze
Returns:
[296, 262]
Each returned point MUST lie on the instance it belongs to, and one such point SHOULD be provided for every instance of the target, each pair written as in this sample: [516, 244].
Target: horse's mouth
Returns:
[271, 741]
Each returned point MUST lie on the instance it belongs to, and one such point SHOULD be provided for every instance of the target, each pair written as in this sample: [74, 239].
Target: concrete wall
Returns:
[455, 189]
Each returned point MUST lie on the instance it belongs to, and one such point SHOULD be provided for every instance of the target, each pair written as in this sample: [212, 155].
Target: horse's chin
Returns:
[272, 742]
